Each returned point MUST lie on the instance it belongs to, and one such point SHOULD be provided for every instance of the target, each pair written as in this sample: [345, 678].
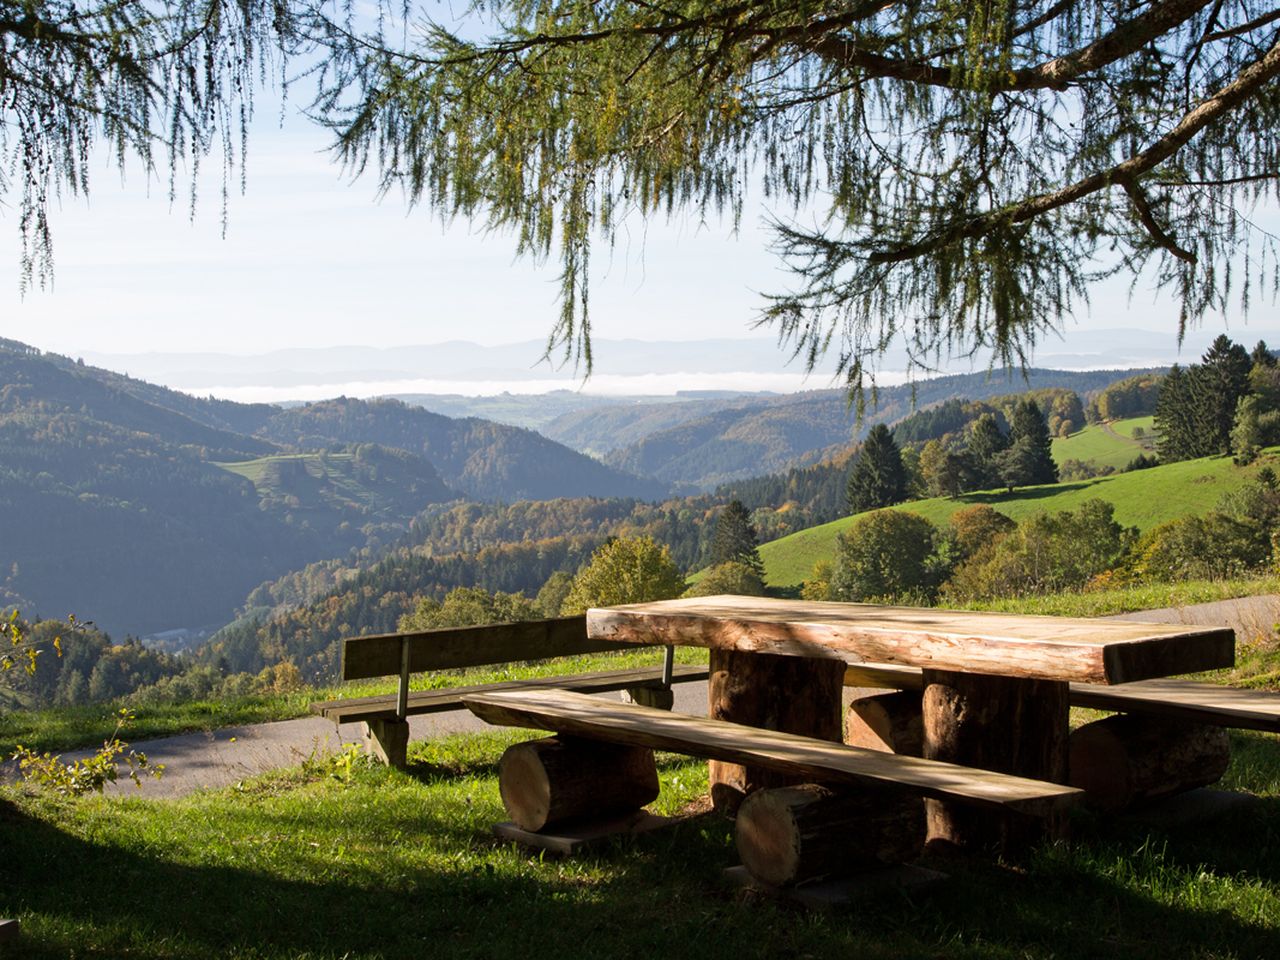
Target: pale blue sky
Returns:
[312, 259]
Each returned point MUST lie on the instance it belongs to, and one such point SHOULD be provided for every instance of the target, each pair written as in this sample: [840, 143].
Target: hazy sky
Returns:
[312, 259]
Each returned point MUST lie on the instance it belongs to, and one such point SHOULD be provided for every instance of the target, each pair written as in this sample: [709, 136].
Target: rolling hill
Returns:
[1106, 444]
[707, 443]
[1143, 498]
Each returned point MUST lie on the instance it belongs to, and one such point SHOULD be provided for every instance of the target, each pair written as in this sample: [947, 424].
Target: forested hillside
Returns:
[480, 458]
[146, 510]
[751, 437]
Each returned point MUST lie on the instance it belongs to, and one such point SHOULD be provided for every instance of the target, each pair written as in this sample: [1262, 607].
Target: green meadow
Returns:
[1143, 499]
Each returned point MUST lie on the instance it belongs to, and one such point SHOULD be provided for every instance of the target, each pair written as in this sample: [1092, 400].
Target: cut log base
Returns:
[792, 694]
[1006, 724]
[792, 835]
[892, 722]
[9, 930]
[388, 740]
[1124, 761]
[563, 779]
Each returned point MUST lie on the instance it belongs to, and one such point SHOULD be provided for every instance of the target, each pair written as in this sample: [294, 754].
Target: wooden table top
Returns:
[1002, 644]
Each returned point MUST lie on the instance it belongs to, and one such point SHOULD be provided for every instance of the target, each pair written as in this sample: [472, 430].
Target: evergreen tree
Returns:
[1028, 428]
[1177, 432]
[986, 442]
[1262, 355]
[1217, 385]
[735, 539]
[877, 479]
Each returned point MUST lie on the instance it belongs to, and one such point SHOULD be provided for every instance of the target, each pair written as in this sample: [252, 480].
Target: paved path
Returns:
[223, 757]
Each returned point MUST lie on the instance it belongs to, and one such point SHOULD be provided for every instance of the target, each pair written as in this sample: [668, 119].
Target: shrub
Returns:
[886, 555]
[1215, 546]
[975, 527]
[625, 570]
[1044, 554]
[732, 577]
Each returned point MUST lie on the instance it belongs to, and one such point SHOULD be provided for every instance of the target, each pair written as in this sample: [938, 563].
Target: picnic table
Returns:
[995, 686]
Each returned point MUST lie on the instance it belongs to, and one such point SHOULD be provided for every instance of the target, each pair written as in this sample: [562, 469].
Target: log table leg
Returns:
[1006, 724]
[792, 694]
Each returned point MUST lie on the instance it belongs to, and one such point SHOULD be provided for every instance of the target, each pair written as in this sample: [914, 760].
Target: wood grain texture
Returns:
[436, 701]
[1046, 648]
[1125, 760]
[893, 722]
[559, 779]
[792, 694]
[452, 648]
[1011, 725]
[795, 834]
[580, 715]
[1190, 700]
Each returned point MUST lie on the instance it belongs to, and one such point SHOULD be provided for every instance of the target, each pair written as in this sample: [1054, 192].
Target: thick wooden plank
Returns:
[1000, 644]
[584, 716]
[437, 701]
[452, 648]
[1190, 700]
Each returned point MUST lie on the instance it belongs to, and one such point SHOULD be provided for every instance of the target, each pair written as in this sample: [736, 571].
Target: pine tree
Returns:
[986, 442]
[1029, 429]
[735, 539]
[1262, 355]
[1175, 420]
[877, 479]
[1218, 383]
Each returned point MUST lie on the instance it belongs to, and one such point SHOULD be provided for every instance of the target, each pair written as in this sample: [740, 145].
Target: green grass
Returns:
[66, 728]
[308, 865]
[1126, 427]
[1147, 596]
[1142, 499]
[1106, 445]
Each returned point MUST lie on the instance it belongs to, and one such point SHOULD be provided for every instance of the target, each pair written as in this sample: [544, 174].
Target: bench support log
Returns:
[388, 740]
[790, 835]
[1125, 760]
[886, 721]
[791, 694]
[559, 779]
[1006, 724]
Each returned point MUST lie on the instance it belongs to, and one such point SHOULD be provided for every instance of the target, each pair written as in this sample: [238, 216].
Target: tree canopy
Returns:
[157, 82]
[967, 169]
[877, 478]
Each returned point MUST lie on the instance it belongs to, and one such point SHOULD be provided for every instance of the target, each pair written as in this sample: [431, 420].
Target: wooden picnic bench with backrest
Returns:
[403, 654]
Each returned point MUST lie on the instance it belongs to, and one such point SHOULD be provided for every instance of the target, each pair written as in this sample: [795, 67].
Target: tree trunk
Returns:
[545, 782]
[792, 694]
[1124, 760]
[788, 835]
[892, 722]
[1006, 724]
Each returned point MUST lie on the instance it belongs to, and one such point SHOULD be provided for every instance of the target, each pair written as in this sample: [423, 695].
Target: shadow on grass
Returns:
[1029, 493]
[658, 896]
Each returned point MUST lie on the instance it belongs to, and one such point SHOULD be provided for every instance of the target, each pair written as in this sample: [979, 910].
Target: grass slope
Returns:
[1142, 499]
[332, 860]
[1104, 444]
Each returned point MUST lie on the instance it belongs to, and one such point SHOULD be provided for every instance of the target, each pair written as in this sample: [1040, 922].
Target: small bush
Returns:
[1212, 547]
[886, 555]
[731, 578]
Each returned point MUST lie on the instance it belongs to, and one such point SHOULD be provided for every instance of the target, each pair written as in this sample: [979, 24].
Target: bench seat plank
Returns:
[579, 715]
[383, 706]
[1190, 700]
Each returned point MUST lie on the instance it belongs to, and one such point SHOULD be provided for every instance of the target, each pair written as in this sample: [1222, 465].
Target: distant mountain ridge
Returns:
[147, 509]
[718, 442]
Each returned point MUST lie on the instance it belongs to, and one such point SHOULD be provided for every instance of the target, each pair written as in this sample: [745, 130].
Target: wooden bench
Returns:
[577, 715]
[385, 717]
[1190, 700]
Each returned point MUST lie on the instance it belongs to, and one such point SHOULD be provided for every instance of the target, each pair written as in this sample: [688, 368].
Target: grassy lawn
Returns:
[1111, 445]
[313, 864]
[1142, 499]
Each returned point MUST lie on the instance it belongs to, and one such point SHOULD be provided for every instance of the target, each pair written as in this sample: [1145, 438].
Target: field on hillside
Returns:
[1105, 444]
[1142, 499]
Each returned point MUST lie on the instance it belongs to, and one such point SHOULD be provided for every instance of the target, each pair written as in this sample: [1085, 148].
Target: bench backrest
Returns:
[452, 648]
